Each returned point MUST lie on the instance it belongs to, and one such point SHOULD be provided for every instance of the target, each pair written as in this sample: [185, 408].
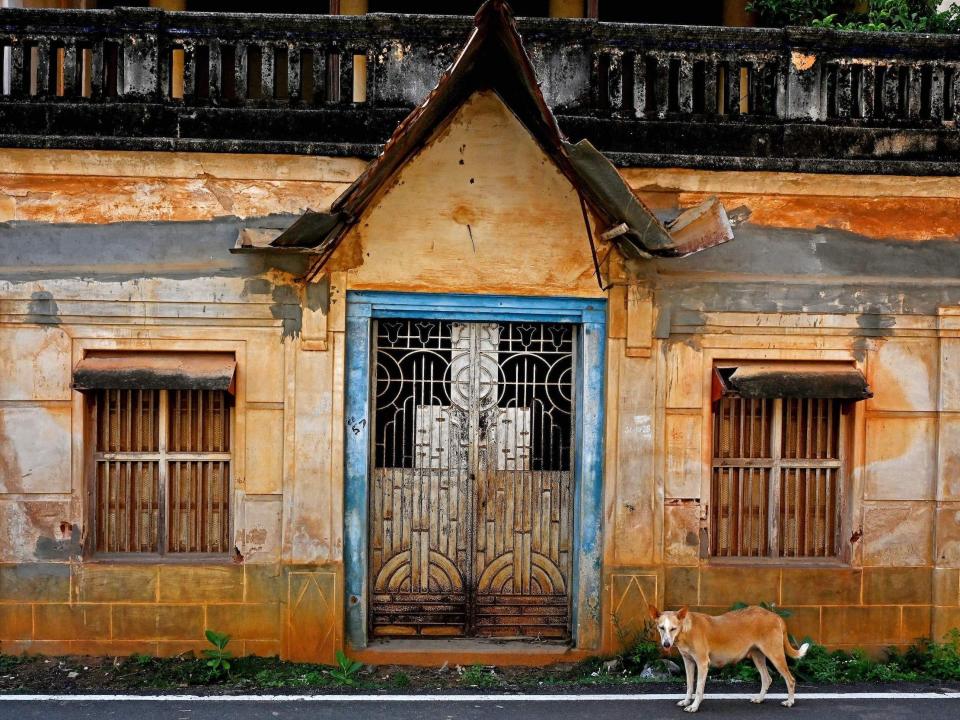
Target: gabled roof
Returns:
[494, 59]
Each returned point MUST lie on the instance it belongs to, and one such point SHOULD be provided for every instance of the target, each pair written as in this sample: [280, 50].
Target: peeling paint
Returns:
[63, 547]
[43, 309]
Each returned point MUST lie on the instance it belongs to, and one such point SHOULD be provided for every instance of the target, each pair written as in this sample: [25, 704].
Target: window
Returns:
[160, 471]
[777, 478]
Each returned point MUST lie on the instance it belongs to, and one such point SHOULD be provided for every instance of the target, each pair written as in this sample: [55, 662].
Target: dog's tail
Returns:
[796, 654]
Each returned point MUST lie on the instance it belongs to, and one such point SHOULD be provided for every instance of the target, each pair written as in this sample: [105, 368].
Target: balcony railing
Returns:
[337, 79]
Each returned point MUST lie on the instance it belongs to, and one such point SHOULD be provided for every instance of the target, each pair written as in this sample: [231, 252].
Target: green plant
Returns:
[780, 13]
[943, 659]
[772, 607]
[346, 669]
[873, 16]
[479, 676]
[218, 657]
[142, 659]
[401, 680]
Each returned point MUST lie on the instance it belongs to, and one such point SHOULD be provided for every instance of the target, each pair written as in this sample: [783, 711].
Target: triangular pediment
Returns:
[494, 62]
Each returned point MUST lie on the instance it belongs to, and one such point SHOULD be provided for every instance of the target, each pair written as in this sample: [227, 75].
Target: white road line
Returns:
[479, 698]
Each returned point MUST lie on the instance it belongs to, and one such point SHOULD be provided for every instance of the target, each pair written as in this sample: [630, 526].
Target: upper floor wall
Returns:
[709, 97]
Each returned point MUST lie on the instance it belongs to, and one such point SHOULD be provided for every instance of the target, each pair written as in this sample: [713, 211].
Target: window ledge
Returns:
[785, 563]
[155, 559]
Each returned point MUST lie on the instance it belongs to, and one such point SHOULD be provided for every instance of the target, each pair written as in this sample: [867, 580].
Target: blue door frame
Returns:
[590, 315]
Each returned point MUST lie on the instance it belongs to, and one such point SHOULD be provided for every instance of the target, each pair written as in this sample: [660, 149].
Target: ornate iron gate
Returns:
[471, 503]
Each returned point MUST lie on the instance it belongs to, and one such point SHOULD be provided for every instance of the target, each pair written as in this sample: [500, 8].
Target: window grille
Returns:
[776, 478]
[161, 471]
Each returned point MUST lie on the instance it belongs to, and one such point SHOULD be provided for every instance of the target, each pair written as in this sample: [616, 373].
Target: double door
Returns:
[471, 488]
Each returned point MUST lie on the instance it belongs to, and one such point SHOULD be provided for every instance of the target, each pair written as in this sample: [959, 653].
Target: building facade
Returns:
[284, 358]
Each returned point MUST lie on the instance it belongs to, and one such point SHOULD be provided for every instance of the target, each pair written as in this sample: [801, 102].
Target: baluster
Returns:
[685, 86]
[369, 76]
[42, 71]
[914, 91]
[346, 77]
[240, 71]
[844, 91]
[936, 91]
[19, 65]
[662, 86]
[294, 85]
[890, 93]
[755, 89]
[189, 71]
[267, 56]
[775, 85]
[952, 94]
[868, 79]
[319, 75]
[614, 87]
[709, 87]
[97, 65]
[639, 84]
[216, 64]
[71, 69]
[733, 87]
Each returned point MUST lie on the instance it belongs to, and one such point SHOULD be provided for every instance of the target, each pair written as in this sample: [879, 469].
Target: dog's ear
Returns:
[682, 613]
[654, 613]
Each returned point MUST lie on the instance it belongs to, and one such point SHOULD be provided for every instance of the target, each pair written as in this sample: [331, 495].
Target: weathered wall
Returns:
[482, 209]
[131, 251]
[827, 267]
[821, 268]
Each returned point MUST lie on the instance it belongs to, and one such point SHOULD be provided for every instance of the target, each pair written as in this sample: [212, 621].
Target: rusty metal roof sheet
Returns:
[143, 370]
[802, 380]
[494, 58]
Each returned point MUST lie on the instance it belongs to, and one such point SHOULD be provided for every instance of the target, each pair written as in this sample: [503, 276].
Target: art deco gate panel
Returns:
[471, 502]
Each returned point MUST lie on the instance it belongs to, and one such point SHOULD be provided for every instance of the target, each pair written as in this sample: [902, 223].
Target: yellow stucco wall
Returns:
[903, 575]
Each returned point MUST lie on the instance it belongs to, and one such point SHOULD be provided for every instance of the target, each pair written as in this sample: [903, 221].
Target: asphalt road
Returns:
[838, 708]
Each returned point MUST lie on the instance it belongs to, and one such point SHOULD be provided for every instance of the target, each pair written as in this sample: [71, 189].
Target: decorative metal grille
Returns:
[471, 501]
[776, 487]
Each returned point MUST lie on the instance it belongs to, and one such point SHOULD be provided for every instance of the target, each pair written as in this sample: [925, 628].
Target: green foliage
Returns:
[401, 680]
[942, 660]
[772, 607]
[479, 676]
[780, 13]
[878, 16]
[218, 657]
[346, 670]
[641, 654]
[142, 659]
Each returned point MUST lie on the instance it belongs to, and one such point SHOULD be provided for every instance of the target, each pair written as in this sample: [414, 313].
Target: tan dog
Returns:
[705, 640]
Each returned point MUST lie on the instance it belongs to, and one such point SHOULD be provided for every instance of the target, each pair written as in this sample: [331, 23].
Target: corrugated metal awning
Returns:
[142, 370]
[800, 380]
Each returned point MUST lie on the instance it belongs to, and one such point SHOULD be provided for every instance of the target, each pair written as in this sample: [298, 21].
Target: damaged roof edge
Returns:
[494, 58]
[697, 228]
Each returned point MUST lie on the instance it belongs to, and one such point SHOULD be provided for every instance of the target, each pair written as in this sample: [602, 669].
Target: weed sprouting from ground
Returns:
[479, 676]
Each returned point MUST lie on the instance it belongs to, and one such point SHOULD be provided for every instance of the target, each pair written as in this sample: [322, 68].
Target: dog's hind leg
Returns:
[691, 668]
[779, 661]
[703, 667]
[760, 660]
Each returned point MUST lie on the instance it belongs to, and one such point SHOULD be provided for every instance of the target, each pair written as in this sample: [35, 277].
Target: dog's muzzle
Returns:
[666, 643]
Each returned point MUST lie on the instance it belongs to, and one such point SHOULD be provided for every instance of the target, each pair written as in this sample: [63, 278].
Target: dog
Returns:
[705, 640]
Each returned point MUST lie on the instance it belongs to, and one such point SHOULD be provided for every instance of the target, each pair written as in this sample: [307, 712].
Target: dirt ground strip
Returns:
[265, 675]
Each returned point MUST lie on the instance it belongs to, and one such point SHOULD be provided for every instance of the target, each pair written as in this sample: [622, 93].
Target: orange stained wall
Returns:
[516, 229]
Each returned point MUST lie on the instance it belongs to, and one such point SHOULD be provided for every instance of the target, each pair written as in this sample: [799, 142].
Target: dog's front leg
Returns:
[703, 666]
[689, 666]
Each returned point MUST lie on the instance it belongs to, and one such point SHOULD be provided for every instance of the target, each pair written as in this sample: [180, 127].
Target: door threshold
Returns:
[434, 652]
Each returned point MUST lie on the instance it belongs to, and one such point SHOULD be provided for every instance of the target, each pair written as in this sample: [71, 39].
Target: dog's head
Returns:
[669, 624]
